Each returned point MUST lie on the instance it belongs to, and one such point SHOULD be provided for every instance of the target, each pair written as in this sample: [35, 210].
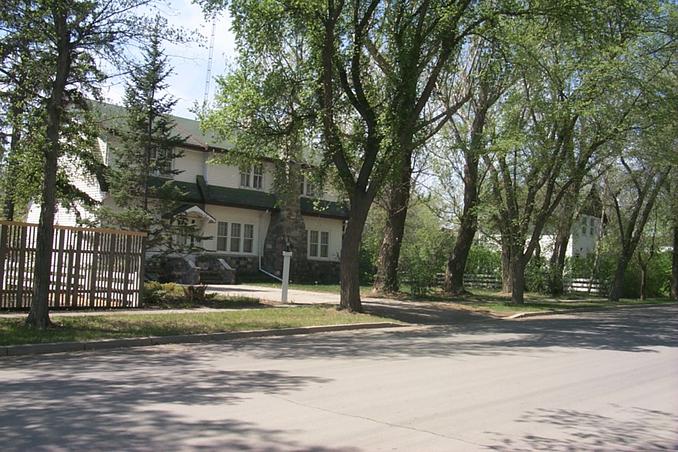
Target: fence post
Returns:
[3, 254]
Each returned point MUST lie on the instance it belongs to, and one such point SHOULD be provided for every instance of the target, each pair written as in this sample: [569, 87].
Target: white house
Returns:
[583, 239]
[232, 207]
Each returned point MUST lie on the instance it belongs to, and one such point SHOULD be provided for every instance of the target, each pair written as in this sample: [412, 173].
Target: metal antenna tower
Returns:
[208, 77]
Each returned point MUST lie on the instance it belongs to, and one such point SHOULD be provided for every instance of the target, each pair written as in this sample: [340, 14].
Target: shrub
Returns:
[483, 261]
[537, 275]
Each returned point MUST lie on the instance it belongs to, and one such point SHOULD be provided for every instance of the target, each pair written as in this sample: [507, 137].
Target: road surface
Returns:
[595, 381]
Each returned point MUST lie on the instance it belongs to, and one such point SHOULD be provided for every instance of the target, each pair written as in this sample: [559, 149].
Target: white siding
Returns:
[222, 175]
[191, 164]
[584, 235]
[583, 238]
[334, 227]
[82, 181]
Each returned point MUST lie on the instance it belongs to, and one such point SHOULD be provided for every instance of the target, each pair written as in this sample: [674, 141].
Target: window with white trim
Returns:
[310, 188]
[235, 237]
[222, 236]
[161, 162]
[318, 244]
[252, 176]
[248, 238]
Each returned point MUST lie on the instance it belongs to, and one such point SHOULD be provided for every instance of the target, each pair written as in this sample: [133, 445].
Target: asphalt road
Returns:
[596, 381]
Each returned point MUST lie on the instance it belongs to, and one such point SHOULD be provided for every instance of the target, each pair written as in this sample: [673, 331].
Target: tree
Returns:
[266, 107]
[556, 122]
[140, 177]
[631, 204]
[471, 138]
[65, 39]
[411, 45]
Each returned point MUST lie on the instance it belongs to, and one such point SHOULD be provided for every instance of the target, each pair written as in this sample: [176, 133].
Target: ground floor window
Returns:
[235, 237]
[318, 243]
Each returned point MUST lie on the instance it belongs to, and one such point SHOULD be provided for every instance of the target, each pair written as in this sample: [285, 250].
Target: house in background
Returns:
[585, 232]
[233, 208]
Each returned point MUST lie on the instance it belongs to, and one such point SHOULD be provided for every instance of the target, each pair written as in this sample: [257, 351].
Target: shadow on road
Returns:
[114, 401]
[459, 333]
[642, 429]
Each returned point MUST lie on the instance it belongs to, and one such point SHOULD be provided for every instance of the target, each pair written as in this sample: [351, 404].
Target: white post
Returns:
[286, 274]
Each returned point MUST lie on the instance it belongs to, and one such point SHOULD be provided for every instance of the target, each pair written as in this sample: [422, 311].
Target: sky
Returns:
[189, 61]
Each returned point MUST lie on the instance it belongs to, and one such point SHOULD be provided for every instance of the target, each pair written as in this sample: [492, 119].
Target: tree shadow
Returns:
[571, 430]
[116, 401]
[462, 333]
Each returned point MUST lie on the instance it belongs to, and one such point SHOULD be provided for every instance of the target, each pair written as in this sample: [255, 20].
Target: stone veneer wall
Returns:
[322, 272]
[243, 265]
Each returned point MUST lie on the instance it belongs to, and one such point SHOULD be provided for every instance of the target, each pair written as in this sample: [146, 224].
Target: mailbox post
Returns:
[286, 274]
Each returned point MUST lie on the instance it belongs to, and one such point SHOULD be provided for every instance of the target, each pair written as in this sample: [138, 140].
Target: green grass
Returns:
[84, 328]
[211, 301]
[499, 303]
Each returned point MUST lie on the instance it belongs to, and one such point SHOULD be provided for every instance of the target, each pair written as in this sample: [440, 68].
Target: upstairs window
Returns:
[161, 162]
[252, 176]
[310, 188]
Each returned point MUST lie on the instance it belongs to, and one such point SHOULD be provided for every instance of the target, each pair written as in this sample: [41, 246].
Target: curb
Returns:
[61, 347]
[523, 315]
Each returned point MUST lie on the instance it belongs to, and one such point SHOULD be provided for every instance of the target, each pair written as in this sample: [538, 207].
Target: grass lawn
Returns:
[492, 301]
[499, 303]
[76, 328]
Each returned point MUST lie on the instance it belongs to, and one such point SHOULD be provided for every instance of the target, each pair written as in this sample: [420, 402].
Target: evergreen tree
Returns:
[66, 41]
[140, 179]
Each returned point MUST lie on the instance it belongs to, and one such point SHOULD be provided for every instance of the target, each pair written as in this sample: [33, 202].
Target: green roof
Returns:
[203, 193]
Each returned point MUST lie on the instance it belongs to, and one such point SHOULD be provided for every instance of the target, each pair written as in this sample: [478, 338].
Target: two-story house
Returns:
[233, 208]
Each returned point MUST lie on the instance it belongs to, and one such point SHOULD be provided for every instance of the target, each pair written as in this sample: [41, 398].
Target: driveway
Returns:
[274, 293]
[594, 381]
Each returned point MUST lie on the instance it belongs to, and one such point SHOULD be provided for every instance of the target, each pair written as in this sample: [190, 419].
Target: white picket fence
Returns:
[490, 281]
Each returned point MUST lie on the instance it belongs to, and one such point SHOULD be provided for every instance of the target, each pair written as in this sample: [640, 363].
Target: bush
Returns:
[483, 261]
[537, 275]
[155, 293]
[425, 249]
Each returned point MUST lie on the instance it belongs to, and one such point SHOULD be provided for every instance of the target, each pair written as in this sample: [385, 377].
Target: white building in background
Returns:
[583, 239]
[233, 207]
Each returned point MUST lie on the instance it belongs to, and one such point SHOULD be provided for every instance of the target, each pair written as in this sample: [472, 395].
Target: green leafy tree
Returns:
[66, 39]
[572, 102]
[266, 107]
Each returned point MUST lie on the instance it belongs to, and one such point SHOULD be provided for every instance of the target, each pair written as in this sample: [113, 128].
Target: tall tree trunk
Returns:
[39, 313]
[11, 174]
[643, 282]
[617, 286]
[386, 280]
[517, 269]
[506, 283]
[456, 264]
[674, 265]
[557, 260]
[349, 267]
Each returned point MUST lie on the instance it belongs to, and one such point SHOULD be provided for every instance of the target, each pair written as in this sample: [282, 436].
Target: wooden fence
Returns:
[91, 268]
[489, 281]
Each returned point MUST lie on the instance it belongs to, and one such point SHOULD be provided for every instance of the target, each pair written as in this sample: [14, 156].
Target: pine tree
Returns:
[140, 180]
